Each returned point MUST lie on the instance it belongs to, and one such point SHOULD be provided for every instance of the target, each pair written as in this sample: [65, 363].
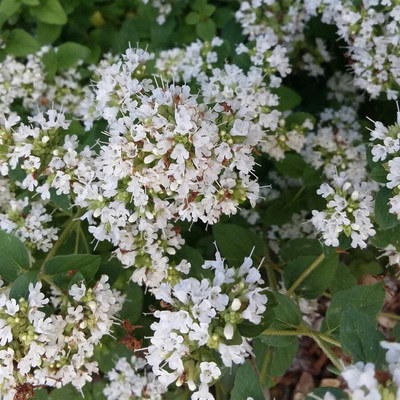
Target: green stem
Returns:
[64, 235]
[46, 278]
[85, 243]
[296, 196]
[304, 275]
[271, 276]
[4, 288]
[320, 339]
[77, 232]
[328, 352]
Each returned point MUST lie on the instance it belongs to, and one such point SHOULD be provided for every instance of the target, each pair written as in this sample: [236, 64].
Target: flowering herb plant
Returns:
[199, 199]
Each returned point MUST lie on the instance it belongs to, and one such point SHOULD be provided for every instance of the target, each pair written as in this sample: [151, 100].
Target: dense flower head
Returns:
[171, 155]
[201, 317]
[349, 208]
[385, 148]
[36, 349]
[286, 23]
[336, 146]
[372, 35]
[28, 82]
[129, 380]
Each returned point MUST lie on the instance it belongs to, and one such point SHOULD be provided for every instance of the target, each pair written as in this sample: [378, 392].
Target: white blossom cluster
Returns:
[129, 380]
[337, 146]
[193, 62]
[349, 208]
[170, 155]
[393, 360]
[362, 383]
[249, 93]
[371, 31]
[28, 220]
[41, 150]
[54, 350]
[26, 82]
[286, 23]
[360, 379]
[386, 147]
[200, 317]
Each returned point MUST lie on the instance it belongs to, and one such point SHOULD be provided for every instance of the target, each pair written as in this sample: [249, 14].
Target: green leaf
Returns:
[47, 33]
[383, 217]
[250, 330]
[311, 176]
[8, 8]
[246, 384]
[127, 35]
[300, 247]
[208, 10]
[360, 267]
[67, 266]
[317, 281]
[222, 16]
[360, 338]
[17, 174]
[319, 393]
[20, 43]
[192, 18]
[368, 299]
[14, 257]
[298, 119]
[206, 29]
[50, 12]
[160, 35]
[235, 243]
[288, 98]
[287, 317]
[62, 201]
[31, 2]
[198, 5]
[70, 53]
[379, 174]
[385, 237]
[280, 211]
[272, 362]
[49, 60]
[342, 280]
[19, 287]
[292, 165]
[133, 305]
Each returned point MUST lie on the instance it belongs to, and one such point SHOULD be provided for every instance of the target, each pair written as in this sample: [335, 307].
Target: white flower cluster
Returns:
[336, 146]
[386, 147]
[393, 360]
[284, 23]
[55, 350]
[195, 61]
[201, 317]
[371, 31]
[129, 380]
[349, 207]
[29, 221]
[26, 82]
[360, 379]
[362, 383]
[169, 156]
